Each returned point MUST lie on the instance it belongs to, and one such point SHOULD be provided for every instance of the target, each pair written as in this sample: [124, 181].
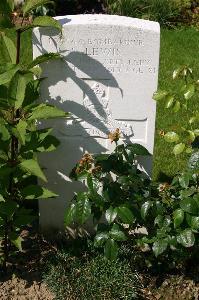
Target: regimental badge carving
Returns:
[99, 121]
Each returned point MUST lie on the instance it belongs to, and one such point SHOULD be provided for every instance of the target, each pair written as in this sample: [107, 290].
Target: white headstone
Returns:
[106, 81]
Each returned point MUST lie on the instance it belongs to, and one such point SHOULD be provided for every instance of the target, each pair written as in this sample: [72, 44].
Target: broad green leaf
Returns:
[184, 180]
[191, 136]
[157, 96]
[196, 132]
[6, 6]
[31, 166]
[189, 205]
[178, 217]
[46, 21]
[33, 4]
[171, 137]
[145, 209]
[117, 234]
[7, 71]
[43, 58]
[37, 71]
[70, 215]
[83, 208]
[186, 238]
[100, 239]
[125, 214]
[195, 223]
[169, 101]
[17, 89]
[50, 143]
[16, 240]
[4, 133]
[159, 247]
[176, 106]
[138, 149]
[111, 214]
[193, 162]
[179, 148]
[8, 208]
[20, 131]
[189, 92]
[44, 111]
[23, 220]
[37, 192]
[5, 21]
[9, 48]
[111, 249]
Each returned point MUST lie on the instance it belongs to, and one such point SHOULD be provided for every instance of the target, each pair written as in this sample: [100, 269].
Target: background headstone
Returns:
[106, 80]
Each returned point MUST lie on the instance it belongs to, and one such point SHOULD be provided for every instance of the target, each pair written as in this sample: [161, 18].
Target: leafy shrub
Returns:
[186, 139]
[20, 139]
[90, 276]
[174, 218]
[116, 189]
[166, 12]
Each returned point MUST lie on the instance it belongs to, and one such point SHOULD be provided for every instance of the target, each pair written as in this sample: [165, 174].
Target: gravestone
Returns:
[106, 80]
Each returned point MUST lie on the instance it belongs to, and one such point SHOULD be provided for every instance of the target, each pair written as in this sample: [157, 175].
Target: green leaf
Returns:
[31, 166]
[8, 208]
[100, 239]
[44, 111]
[169, 101]
[46, 21]
[179, 148]
[159, 247]
[43, 58]
[4, 133]
[138, 149]
[193, 162]
[17, 89]
[171, 137]
[83, 208]
[7, 71]
[189, 92]
[50, 143]
[33, 4]
[189, 205]
[195, 223]
[37, 192]
[186, 238]
[178, 217]
[176, 106]
[23, 220]
[157, 96]
[117, 234]
[125, 215]
[70, 215]
[111, 250]
[20, 131]
[184, 180]
[111, 214]
[191, 136]
[9, 48]
[145, 209]
[6, 6]
[16, 240]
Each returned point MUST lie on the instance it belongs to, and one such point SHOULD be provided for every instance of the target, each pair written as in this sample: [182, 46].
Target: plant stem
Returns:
[13, 159]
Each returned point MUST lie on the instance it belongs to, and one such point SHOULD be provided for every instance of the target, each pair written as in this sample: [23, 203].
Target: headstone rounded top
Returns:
[97, 19]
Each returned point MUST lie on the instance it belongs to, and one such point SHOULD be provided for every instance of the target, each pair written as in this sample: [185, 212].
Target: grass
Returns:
[178, 47]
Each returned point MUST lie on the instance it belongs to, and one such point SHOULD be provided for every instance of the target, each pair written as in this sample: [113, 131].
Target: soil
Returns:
[24, 281]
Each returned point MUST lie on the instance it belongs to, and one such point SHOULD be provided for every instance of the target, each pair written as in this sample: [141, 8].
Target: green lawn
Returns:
[178, 48]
